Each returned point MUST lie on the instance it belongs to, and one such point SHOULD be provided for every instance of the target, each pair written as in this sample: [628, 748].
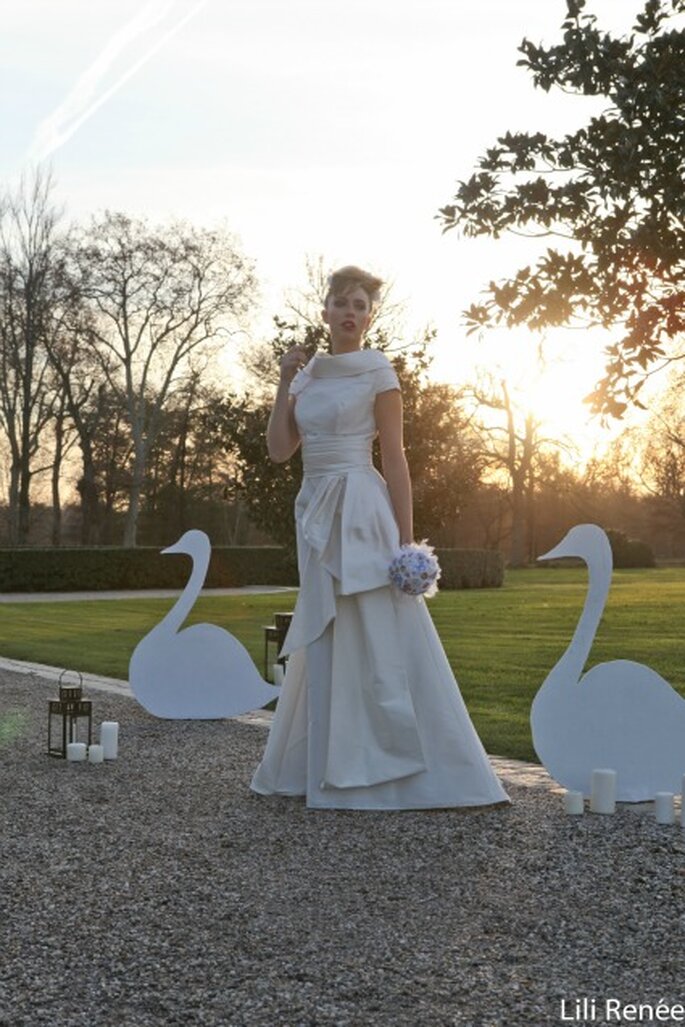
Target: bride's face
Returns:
[348, 316]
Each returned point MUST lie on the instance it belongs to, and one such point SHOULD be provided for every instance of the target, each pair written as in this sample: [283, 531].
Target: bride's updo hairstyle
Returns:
[350, 277]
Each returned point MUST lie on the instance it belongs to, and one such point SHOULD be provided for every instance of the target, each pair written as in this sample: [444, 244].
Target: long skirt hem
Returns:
[371, 717]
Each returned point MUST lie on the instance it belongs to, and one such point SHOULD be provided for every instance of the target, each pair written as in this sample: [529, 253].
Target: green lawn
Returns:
[501, 642]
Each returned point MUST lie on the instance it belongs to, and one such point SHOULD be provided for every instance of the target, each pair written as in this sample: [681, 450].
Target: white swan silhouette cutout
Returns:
[620, 714]
[202, 672]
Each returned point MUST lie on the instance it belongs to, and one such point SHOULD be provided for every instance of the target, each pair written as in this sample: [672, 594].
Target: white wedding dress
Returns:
[369, 716]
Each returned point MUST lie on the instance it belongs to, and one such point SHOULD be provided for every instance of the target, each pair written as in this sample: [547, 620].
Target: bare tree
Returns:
[512, 443]
[30, 301]
[64, 439]
[190, 471]
[158, 296]
[112, 452]
[660, 450]
[82, 404]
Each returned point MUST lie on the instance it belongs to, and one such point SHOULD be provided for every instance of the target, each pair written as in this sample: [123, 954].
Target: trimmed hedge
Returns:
[471, 568]
[629, 552]
[79, 569]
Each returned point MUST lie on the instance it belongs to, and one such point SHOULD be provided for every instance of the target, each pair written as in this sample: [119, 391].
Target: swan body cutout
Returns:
[620, 714]
[202, 672]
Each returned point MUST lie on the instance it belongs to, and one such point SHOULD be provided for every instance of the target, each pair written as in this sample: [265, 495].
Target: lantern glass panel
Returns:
[69, 720]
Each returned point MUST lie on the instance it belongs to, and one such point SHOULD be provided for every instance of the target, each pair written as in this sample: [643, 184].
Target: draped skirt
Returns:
[370, 715]
[415, 749]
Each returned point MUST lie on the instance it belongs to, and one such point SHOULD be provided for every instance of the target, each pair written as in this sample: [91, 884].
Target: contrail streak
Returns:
[82, 100]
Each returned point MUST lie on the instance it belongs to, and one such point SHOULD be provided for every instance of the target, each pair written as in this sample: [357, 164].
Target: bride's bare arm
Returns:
[388, 411]
[282, 436]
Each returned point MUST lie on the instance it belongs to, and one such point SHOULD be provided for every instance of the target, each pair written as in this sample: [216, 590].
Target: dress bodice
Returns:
[334, 408]
[346, 528]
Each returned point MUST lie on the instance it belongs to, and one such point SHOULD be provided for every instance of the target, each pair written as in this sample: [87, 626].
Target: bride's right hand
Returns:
[291, 362]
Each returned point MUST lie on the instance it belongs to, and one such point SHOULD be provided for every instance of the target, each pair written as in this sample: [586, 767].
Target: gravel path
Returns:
[158, 890]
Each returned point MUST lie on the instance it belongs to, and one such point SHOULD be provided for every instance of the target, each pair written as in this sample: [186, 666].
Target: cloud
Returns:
[152, 27]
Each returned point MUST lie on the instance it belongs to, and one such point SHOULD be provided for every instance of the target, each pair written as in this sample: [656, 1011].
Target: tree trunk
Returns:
[88, 492]
[182, 505]
[90, 528]
[138, 478]
[517, 557]
[238, 523]
[131, 525]
[24, 498]
[56, 533]
[24, 510]
[13, 506]
[531, 519]
[107, 533]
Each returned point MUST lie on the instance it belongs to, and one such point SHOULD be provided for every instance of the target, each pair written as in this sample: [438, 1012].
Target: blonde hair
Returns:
[350, 277]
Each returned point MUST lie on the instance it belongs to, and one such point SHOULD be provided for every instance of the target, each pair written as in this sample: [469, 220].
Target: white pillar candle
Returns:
[109, 739]
[76, 751]
[277, 674]
[603, 791]
[573, 803]
[663, 808]
[96, 754]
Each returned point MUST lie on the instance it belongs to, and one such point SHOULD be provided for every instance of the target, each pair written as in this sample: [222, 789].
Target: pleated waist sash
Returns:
[335, 454]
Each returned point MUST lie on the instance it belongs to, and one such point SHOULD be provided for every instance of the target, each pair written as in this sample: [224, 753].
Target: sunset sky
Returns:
[310, 127]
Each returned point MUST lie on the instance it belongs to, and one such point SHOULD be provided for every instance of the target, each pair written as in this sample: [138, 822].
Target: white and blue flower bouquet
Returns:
[415, 569]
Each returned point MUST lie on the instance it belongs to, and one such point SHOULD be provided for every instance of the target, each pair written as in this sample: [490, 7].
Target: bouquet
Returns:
[415, 569]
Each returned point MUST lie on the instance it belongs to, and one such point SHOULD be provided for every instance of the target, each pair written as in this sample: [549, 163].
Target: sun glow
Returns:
[547, 378]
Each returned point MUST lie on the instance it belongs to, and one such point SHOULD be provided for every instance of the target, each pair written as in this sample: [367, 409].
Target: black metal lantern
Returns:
[275, 634]
[65, 717]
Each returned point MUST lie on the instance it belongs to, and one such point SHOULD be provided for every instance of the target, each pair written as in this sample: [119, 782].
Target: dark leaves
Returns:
[613, 189]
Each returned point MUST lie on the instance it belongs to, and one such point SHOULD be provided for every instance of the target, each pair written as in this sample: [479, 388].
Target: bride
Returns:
[370, 716]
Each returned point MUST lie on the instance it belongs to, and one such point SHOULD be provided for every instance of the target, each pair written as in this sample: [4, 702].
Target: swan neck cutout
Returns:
[574, 659]
[185, 602]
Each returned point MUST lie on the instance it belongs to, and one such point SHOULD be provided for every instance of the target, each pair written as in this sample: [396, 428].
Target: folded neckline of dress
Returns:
[339, 365]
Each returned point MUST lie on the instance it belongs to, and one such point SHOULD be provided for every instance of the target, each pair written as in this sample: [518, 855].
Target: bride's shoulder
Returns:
[383, 373]
[376, 356]
[376, 360]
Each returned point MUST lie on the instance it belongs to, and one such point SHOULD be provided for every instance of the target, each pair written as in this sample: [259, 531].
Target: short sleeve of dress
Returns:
[385, 379]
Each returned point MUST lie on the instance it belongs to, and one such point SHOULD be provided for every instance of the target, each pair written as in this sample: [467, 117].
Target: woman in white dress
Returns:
[369, 716]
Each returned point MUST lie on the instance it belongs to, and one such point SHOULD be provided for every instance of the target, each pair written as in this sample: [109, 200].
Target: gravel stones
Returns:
[158, 889]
